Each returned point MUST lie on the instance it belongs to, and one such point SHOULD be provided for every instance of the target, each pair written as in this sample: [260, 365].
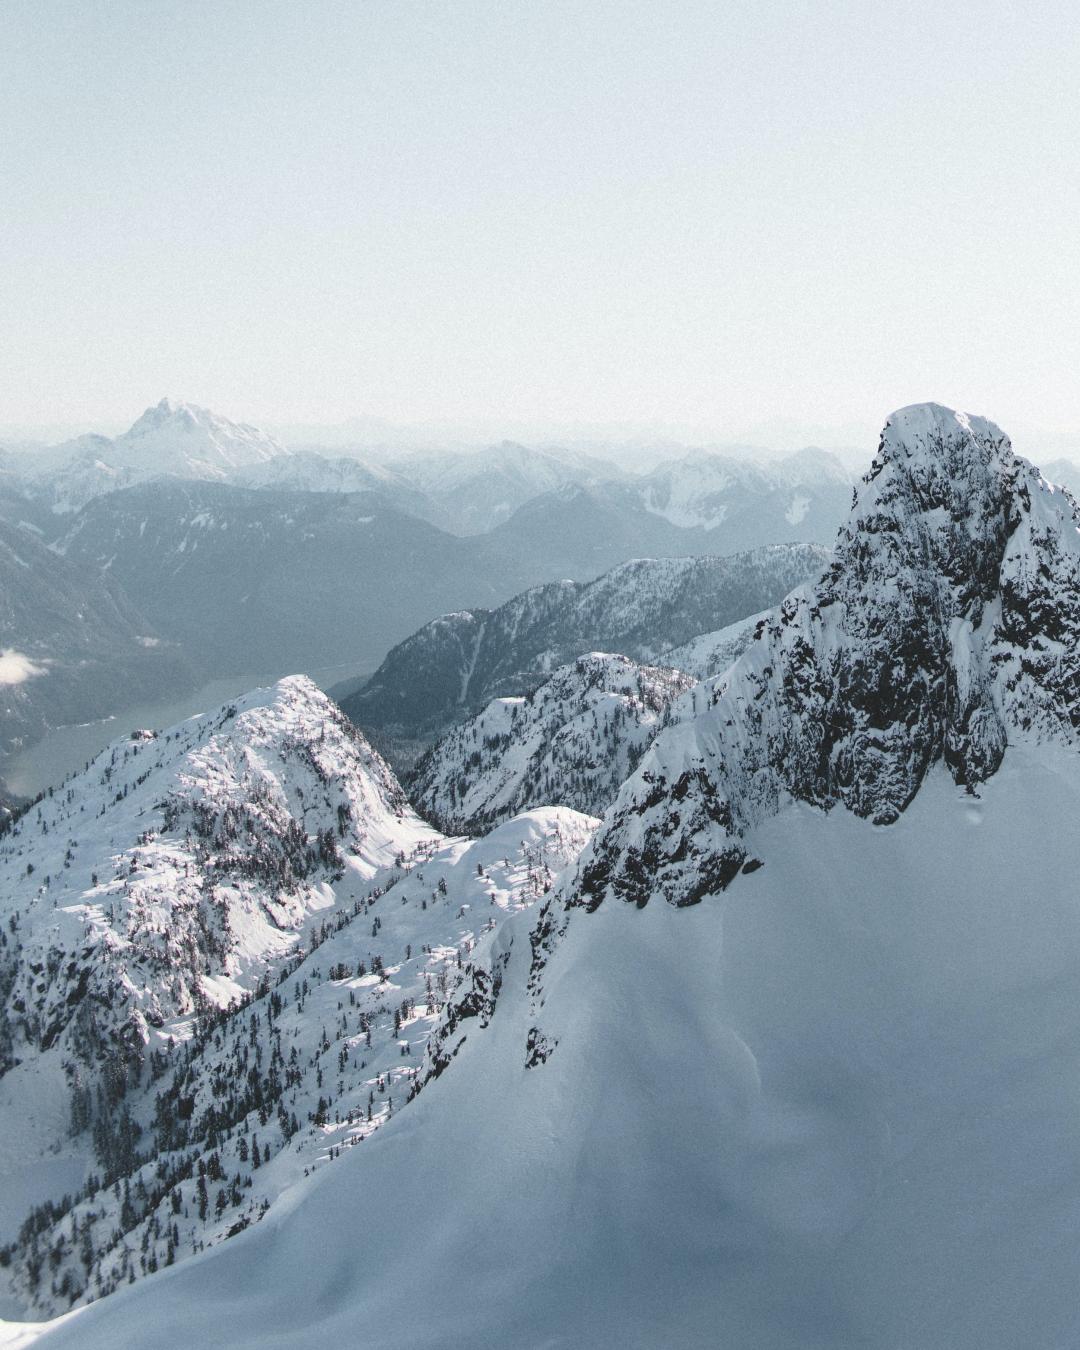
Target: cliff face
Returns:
[948, 624]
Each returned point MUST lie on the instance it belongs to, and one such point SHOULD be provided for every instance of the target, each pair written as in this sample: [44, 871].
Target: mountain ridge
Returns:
[456, 664]
[849, 700]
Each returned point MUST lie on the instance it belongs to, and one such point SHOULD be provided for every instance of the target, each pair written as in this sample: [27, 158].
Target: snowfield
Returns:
[837, 1107]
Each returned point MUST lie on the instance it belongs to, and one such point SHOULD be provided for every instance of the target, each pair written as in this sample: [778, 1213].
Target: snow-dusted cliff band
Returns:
[948, 622]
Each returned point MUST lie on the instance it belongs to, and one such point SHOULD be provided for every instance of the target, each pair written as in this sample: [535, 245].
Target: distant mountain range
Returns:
[240, 557]
[464, 493]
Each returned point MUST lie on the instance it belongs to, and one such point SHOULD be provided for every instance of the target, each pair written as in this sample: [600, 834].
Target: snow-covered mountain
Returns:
[800, 496]
[72, 646]
[702, 502]
[948, 617]
[826, 1096]
[471, 493]
[224, 947]
[189, 442]
[454, 666]
[572, 742]
[170, 440]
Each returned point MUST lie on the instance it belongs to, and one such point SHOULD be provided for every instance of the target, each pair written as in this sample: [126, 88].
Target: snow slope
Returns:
[838, 1110]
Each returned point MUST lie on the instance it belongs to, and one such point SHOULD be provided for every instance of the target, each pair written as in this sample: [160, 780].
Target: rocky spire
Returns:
[948, 623]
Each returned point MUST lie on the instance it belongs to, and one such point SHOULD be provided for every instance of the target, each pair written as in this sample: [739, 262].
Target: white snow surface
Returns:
[835, 1108]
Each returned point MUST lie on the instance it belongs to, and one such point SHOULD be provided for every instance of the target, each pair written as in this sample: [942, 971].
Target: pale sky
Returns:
[713, 216]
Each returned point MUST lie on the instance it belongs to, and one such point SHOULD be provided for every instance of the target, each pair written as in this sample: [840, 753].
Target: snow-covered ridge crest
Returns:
[171, 872]
[572, 741]
[948, 624]
[182, 438]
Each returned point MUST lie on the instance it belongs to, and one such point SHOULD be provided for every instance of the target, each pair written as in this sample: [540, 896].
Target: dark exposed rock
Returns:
[948, 623]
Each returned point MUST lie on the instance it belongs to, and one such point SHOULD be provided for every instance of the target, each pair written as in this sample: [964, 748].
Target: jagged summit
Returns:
[182, 438]
[169, 440]
[948, 623]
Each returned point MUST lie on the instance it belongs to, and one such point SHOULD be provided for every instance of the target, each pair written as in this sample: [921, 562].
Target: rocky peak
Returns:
[182, 438]
[948, 623]
[177, 868]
